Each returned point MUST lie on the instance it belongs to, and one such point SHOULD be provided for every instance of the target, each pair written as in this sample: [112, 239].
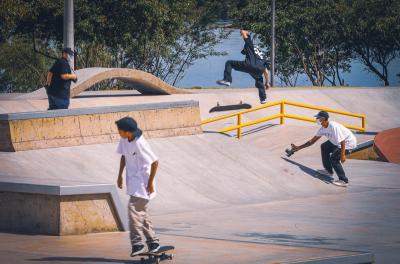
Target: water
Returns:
[205, 72]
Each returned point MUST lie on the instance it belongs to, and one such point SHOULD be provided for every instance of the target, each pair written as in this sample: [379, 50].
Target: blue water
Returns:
[206, 71]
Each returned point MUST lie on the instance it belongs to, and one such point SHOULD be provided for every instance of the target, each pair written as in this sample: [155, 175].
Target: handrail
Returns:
[282, 115]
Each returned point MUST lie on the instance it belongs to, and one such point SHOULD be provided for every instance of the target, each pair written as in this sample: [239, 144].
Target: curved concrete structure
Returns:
[141, 81]
[387, 145]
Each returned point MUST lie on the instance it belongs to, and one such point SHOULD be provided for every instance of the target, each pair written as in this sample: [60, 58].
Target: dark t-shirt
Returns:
[59, 87]
[251, 57]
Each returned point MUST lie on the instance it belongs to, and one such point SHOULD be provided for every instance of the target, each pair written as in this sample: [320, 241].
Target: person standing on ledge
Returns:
[58, 82]
[341, 141]
[254, 64]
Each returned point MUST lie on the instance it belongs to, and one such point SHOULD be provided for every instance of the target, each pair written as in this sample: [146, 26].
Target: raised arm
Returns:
[244, 33]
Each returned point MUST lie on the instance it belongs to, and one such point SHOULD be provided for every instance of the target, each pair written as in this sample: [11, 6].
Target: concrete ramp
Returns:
[387, 145]
[141, 81]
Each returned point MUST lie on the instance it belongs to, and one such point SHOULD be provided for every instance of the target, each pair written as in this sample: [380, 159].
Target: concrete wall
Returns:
[29, 213]
[57, 215]
[81, 214]
[60, 128]
[365, 154]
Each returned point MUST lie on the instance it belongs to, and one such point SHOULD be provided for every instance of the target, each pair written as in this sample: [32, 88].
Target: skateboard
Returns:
[160, 255]
[220, 108]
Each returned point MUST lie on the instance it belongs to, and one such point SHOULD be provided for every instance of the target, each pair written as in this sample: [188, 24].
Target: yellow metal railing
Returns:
[282, 115]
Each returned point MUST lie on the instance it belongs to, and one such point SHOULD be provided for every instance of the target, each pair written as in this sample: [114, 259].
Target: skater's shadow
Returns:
[85, 259]
[313, 173]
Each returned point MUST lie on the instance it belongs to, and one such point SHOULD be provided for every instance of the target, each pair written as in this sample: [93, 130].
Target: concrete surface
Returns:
[59, 128]
[213, 186]
[216, 187]
[57, 215]
[380, 105]
[115, 248]
[387, 145]
[143, 82]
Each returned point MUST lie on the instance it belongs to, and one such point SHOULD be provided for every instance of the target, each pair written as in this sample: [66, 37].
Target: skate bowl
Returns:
[387, 145]
[141, 81]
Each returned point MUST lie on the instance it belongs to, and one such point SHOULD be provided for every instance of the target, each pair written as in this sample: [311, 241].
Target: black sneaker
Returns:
[154, 247]
[137, 250]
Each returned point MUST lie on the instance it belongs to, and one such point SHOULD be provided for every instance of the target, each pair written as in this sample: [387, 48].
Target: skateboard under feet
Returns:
[156, 257]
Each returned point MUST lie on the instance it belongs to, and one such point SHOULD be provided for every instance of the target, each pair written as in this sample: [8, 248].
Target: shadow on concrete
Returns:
[86, 259]
[313, 173]
[291, 239]
[246, 133]
[215, 132]
[258, 129]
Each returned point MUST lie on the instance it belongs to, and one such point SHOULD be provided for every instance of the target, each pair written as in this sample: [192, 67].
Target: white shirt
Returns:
[336, 133]
[138, 160]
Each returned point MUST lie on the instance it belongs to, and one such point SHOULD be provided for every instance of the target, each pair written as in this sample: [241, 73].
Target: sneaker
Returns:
[154, 247]
[263, 101]
[340, 183]
[137, 250]
[223, 82]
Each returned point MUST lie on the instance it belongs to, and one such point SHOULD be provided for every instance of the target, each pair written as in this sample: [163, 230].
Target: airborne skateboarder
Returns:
[254, 64]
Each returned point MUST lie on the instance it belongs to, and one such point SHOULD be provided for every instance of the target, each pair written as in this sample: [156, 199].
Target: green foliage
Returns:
[21, 67]
[162, 37]
[319, 38]
[372, 33]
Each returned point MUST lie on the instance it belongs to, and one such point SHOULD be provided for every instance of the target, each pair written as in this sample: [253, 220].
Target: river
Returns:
[206, 71]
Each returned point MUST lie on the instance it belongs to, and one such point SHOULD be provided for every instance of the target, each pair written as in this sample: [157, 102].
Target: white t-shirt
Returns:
[336, 133]
[138, 159]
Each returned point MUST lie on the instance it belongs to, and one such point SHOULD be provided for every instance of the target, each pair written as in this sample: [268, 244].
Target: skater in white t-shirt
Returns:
[333, 152]
[141, 167]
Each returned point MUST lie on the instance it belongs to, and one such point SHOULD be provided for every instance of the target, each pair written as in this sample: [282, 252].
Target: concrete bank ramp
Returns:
[200, 171]
[143, 82]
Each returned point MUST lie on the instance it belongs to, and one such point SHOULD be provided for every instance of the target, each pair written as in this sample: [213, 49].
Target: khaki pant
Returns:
[139, 223]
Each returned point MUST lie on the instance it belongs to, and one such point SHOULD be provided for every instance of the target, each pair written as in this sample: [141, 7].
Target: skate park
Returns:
[229, 190]
[221, 199]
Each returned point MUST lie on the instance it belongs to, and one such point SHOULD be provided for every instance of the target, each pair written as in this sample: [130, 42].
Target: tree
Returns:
[306, 38]
[162, 37]
[372, 33]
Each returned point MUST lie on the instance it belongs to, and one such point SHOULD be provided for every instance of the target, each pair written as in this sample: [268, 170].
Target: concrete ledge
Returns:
[96, 110]
[60, 128]
[60, 209]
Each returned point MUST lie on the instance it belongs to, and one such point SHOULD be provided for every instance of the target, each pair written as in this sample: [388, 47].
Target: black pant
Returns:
[254, 71]
[331, 159]
[57, 102]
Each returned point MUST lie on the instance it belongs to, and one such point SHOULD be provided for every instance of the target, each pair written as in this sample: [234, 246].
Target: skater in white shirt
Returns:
[341, 141]
[141, 167]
